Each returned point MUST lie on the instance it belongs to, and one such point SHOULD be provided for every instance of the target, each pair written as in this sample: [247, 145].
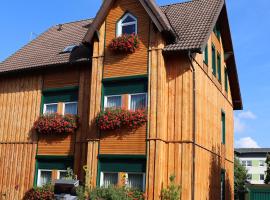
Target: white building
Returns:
[254, 161]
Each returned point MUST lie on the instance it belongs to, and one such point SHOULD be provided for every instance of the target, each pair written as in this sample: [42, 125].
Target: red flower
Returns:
[112, 119]
[125, 43]
[55, 123]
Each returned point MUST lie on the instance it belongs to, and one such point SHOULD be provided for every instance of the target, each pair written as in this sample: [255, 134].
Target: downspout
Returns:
[194, 126]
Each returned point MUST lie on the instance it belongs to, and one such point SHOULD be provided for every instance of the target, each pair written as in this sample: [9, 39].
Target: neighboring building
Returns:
[254, 161]
[184, 73]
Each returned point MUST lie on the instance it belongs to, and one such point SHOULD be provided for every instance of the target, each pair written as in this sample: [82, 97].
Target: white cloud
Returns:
[247, 115]
[240, 121]
[246, 142]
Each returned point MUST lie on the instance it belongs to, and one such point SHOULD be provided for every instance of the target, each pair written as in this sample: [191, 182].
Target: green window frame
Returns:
[205, 55]
[214, 61]
[52, 162]
[67, 94]
[223, 127]
[222, 184]
[217, 31]
[219, 67]
[226, 79]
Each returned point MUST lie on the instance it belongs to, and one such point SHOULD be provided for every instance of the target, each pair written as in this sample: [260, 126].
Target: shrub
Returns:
[55, 123]
[112, 119]
[173, 191]
[125, 43]
[40, 193]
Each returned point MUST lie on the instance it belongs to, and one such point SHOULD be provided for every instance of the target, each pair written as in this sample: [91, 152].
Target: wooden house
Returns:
[183, 73]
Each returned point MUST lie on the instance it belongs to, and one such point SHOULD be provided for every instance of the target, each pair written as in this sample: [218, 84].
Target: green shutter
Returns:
[223, 121]
[223, 184]
[226, 79]
[219, 67]
[214, 61]
[205, 59]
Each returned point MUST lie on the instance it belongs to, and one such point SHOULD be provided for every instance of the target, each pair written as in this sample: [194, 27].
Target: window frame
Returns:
[129, 99]
[120, 24]
[102, 177]
[47, 104]
[214, 60]
[140, 173]
[249, 161]
[39, 175]
[58, 173]
[223, 127]
[106, 100]
[64, 107]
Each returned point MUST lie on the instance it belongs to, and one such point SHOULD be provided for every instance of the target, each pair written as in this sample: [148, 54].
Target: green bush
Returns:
[173, 191]
[40, 193]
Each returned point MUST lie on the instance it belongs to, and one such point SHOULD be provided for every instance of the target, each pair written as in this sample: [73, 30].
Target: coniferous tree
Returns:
[240, 177]
[267, 177]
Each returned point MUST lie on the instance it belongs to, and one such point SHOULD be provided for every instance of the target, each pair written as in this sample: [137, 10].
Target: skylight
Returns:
[69, 49]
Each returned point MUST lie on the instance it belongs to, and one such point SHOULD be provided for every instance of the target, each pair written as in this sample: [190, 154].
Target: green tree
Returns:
[267, 177]
[240, 177]
[172, 192]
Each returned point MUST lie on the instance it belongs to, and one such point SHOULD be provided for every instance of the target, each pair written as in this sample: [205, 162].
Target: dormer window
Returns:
[127, 25]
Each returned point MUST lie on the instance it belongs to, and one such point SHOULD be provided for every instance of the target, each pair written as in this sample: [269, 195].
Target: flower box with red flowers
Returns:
[56, 124]
[114, 119]
[125, 43]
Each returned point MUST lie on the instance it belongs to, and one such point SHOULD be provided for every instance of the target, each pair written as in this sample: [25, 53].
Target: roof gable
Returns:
[154, 12]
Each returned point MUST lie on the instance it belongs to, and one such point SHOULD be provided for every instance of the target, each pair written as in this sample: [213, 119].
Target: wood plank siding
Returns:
[115, 64]
[20, 98]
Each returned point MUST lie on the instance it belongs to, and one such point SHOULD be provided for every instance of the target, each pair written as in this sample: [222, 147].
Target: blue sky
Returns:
[250, 27]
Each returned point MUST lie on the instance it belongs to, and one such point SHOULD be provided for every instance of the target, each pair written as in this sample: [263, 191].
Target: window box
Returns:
[113, 119]
[56, 124]
[127, 43]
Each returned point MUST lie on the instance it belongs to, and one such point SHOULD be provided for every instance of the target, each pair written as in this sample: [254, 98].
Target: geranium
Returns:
[112, 119]
[55, 123]
[125, 43]
[40, 193]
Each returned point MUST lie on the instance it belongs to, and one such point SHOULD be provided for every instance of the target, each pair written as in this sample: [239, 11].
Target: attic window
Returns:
[127, 25]
[69, 49]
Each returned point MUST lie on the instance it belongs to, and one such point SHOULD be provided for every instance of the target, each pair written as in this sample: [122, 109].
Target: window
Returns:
[61, 174]
[137, 101]
[223, 127]
[127, 25]
[222, 185]
[214, 61]
[113, 101]
[249, 163]
[133, 180]
[261, 163]
[226, 79]
[71, 108]
[219, 67]
[244, 163]
[249, 177]
[44, 177]
[205, 55]
[217, 31]
[50, 108]
[261, 177]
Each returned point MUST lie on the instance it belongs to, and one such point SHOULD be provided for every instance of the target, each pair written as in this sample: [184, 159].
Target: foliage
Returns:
[111, 193]
[267, 161]
[55, 123]
[125, 43]
[112, 119]
[240, 177]
[40, 193]
[173, 191]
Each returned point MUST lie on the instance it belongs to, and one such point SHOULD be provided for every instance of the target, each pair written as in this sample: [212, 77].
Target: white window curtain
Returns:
[50, 108]
[45, 177]
[113, 102]
[71, 108]
[110, 179]
[138, 101]
[135, 181]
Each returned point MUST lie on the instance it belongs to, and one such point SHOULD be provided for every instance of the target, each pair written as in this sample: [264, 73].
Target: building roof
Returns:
[251, 150]
[46, 49]
[193, 22]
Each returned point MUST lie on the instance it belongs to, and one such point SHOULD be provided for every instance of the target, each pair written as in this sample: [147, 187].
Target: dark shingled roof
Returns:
[192, 22]
[252, 150]
[45, 49]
